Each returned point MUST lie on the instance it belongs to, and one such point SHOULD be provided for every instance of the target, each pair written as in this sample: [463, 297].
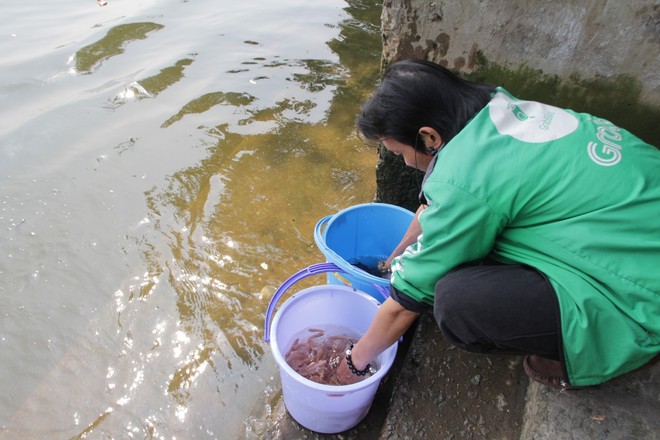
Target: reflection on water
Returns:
[112, 44]
[150, 87]
[152, 206]
[209, 100]
[167, 76]
[320, 74]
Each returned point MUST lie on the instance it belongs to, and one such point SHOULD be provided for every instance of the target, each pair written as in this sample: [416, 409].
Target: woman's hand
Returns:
[410, 237]
[390, 323]
[344, 375]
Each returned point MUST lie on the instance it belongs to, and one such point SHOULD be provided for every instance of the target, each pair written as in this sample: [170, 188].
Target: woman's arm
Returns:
[390, 323]
[409, 237]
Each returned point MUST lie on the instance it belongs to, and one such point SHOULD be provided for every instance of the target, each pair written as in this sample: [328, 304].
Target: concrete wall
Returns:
[597, 56]
[593, 38]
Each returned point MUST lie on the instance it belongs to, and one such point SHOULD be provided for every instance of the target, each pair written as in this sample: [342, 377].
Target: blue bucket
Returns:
[362, 234]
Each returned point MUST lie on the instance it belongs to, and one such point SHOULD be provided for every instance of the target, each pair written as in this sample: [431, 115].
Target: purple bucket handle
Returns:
[314, 269]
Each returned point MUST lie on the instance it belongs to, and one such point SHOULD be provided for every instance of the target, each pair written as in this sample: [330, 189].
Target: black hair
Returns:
[417, 93]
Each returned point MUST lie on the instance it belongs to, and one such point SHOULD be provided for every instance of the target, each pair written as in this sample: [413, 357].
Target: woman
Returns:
[541, 235]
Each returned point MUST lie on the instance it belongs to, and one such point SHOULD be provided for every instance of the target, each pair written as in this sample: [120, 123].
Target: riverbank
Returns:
[435, 391]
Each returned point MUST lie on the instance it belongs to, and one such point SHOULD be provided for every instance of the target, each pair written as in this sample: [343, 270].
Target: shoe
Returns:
[547, 371]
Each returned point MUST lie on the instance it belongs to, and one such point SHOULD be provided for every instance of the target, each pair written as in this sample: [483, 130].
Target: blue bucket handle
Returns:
[314, 269]
[319, 238]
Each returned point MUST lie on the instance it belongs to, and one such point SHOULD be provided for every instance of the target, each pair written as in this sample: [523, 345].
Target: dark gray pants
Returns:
[499, 308]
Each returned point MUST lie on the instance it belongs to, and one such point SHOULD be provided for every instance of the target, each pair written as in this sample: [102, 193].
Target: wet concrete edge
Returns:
[436, 391]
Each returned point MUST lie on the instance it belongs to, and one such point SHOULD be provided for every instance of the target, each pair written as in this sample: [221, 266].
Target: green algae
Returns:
[208, 101]
[112, 44]
[618, 99]
[166, 77]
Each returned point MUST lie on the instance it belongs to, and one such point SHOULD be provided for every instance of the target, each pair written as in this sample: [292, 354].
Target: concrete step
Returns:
[435, 391]
[627, 407]
[443, 392]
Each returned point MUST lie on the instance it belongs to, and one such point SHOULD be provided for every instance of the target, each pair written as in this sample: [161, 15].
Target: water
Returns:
[162, 167]
[316, 352]
[370, 264]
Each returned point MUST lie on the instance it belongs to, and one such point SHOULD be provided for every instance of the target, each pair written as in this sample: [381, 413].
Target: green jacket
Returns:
[567, 193]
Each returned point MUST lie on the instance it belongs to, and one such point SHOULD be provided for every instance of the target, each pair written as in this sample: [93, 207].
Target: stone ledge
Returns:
[435, 391]
[443, 392]
[627, 407]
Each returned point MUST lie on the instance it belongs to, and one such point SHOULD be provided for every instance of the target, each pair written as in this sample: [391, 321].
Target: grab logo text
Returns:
[606, 151]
